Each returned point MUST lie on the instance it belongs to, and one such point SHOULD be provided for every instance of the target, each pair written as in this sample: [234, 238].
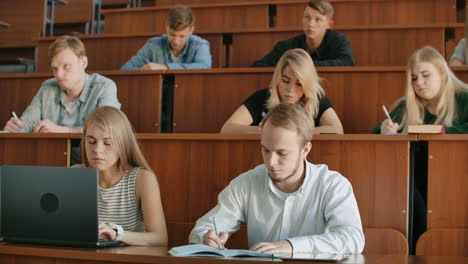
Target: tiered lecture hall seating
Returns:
[190, 164]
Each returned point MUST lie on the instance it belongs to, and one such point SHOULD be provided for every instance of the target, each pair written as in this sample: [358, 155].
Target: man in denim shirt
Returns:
[62, 103]
[178, 49]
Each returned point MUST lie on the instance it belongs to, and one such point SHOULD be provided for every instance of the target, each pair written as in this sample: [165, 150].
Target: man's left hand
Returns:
[154, 66]
[47, 126]
[278, 247]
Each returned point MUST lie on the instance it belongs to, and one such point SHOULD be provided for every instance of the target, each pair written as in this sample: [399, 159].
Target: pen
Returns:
[220, 246]
[386, 113]
[14, 115]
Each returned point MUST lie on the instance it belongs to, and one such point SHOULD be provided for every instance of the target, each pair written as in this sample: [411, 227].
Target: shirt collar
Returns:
[84, 93]
[277, 192]
[185, 47]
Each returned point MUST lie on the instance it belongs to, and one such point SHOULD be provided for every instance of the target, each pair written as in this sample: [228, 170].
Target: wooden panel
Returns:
[139, 93]
[372, 46]
[118, 49]
[192, 169]
[34, 150]
[385, 242]
[216, 18]
[374, 12]
[204, 100]
[26, 23]
[447, 196]
[443, 242]
[75, 11]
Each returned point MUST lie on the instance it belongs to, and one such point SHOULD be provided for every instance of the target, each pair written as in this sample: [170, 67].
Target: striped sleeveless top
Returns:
[118, 204]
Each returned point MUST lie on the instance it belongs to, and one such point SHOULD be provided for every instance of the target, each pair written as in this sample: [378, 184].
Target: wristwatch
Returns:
[118, 230]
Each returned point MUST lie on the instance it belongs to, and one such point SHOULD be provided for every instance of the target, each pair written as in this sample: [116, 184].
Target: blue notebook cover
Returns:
[201, 250]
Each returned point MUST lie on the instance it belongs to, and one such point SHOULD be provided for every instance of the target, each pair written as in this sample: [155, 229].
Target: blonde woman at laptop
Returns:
[129, 200]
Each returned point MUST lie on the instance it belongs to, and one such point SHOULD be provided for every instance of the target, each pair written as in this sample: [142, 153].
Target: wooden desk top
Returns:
[10, 253]
[214, 136]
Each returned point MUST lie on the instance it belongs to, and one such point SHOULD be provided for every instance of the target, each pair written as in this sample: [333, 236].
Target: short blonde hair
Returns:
[66, 42]
[446, 109]
[300, 62]
[180, 17]
[291, 116]
[116, 124]
[324, 7]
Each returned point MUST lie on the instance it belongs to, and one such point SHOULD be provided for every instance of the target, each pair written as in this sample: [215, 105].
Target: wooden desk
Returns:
[204, 99]
[117, 49]
[79, 12]
[19, 254]
[193, 168]
[447, 179]
[212, 18]
[26, 24]
[138, 92]
[34, 149]
[372, 45]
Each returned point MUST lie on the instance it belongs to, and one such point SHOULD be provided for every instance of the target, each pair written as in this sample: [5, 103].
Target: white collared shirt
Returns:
[321, 216]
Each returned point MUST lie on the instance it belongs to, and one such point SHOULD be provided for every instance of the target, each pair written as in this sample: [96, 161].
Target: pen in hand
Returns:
[14, 115]
[386, 113]
[220, 246]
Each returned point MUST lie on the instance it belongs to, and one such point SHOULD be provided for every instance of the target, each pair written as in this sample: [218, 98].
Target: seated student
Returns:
[294, 80]
[434, 95]
[325, 46]
[289, 204]
[130, 208]
[177, 49]
[63, 103]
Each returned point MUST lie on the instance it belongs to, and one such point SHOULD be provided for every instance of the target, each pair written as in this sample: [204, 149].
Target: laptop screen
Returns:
[49, 205]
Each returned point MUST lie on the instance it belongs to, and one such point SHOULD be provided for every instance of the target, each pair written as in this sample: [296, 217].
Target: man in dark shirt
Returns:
[325, 46]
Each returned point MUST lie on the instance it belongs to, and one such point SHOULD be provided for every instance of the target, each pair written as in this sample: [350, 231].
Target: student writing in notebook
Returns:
[177, 49]
[295, 80]
[433, 95]
[130, 208]
[289, 204]
[62, 103]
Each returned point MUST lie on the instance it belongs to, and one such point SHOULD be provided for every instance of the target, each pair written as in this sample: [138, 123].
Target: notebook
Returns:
[426, 129]
[201, 250]
[50, 205]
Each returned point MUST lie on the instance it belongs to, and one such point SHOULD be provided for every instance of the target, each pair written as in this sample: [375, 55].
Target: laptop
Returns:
[50, 206]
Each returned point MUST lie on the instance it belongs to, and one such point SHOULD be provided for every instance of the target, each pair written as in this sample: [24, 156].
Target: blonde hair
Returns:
[180, 17]
[291, 116]
[66, 42]
[446, 108]
[300, 62]
[324, 7]
[124, 142]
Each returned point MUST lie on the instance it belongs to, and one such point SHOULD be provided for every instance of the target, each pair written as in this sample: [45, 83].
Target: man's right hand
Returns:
[14, 125]
[212, 240]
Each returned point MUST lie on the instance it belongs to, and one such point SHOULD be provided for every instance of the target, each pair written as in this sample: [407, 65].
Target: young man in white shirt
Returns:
[290, 206]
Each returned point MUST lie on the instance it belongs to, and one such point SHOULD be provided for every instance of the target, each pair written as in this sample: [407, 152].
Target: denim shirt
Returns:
[46, 104]
[195, 55]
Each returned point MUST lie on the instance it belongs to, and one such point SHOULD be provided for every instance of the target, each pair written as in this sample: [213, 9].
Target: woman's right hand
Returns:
[388, 127]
